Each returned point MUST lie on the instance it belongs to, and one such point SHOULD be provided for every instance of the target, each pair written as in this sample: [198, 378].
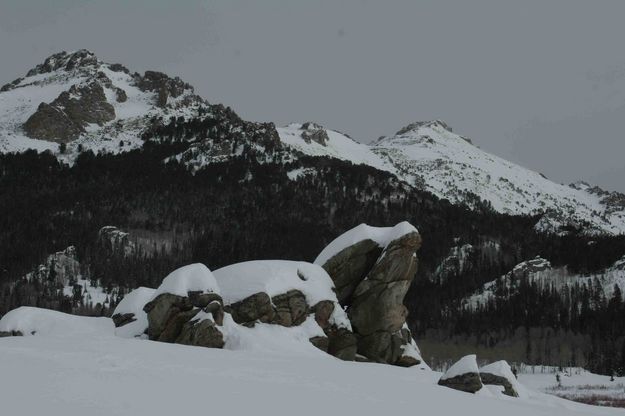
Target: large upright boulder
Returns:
[290, 294]
[187, 308]
[372, 269]
[463, 375]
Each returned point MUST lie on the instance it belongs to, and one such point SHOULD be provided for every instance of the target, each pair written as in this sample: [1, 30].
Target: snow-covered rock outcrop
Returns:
[77, 99]
[463, 375]
[287, 293]
[187, 308]
[499, 373]
[129, 317]
[116, 240]
[372, 269]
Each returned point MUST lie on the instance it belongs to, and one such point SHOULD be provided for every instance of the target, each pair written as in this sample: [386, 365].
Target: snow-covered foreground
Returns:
[95, 373]
[578, 384]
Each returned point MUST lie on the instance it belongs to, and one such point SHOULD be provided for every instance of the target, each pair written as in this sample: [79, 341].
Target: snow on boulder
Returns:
[380, 235]
[287, 293]
[195, 278]
[186, 292]
[372, 269]
[129, 317]
[410, 353]
[28, 320]
[463, 375]
[499, 373]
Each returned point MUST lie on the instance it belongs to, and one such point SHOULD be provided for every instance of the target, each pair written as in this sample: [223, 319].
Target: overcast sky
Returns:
[541, 83]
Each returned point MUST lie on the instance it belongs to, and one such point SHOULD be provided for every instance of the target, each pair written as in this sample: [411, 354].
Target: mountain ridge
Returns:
[76, 102]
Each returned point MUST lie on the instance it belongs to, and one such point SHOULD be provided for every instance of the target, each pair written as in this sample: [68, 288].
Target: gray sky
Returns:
[541, 83]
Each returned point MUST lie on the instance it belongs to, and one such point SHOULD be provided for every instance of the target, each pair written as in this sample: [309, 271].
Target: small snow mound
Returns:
[133, 303]
[192, 278]
[381, 235]
[467, 364]
[36, 321]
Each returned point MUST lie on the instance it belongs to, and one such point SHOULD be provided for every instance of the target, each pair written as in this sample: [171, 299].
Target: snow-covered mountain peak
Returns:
[417, 125]
[77, 99]
[81, 58]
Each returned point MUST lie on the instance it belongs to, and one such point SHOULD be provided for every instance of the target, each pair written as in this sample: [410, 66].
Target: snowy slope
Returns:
[43, 84]
[336, 145]
[427, 155]
[541, 272]
[430, 156]
[100, 374]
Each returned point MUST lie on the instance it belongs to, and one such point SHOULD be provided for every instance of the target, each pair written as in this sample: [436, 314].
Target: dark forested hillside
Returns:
[243, 209]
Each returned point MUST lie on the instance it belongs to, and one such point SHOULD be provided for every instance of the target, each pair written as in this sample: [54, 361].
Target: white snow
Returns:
[467, 364]
[575, 383]
[133, 303]
[381, 235]
[91, 295]
[132, 117]
[273, 339]
[448, 165]
[502, 369]
[557, 278]
[106, 375]
[275, 277]
[191, 278]
[35, 321]
[338, 146]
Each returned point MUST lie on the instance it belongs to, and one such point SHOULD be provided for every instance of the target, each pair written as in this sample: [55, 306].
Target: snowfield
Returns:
[429, 155]
[77, 372]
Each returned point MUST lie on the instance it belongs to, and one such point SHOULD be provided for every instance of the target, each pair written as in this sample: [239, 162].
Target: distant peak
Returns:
[421, 124]
[65, 60]
[580, 185]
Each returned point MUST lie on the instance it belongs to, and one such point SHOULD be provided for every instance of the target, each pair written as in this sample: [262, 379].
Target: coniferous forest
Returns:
[241, 209]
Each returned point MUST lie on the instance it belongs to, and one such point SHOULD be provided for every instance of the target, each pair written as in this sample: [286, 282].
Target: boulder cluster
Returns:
[465, 375]
[351, 305]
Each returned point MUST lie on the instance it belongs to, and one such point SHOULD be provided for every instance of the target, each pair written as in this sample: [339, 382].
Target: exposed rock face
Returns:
[469, 382]
[66, 117]
[66, 61]
[314, 132]
[116, 240]
[121, 319]
[170, 319]
[61, 267]
[463, 375]
[291, 308]
[419, 124]
[287, 309]
[163, 85]
[530, 267]
[492, 379]
[307, 295]
[371, 282]
[349, 267]
[257, 307]
[499, 373]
